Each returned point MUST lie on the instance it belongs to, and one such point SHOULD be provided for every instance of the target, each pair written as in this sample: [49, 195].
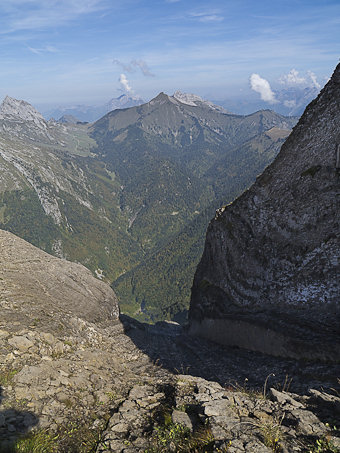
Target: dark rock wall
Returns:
[271, 258]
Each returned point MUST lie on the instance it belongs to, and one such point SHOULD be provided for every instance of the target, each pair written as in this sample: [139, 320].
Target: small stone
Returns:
[23, 344]
[48, 337]
[335, 441]
[216, 408]
[308, 423]
[182, 418]
[58, 347]
[330, 402]
[120, 428]
[283, 398]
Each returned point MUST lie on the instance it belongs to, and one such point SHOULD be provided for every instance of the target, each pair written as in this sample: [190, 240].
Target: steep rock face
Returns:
[20, 110]
[269, 276]
[55, 195]
[34, 285]
[21, 119]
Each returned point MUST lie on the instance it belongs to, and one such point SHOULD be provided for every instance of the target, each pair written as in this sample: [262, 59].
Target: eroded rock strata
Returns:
[269, 276]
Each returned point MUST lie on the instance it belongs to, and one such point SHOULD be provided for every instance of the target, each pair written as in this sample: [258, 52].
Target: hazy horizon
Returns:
[75, 52]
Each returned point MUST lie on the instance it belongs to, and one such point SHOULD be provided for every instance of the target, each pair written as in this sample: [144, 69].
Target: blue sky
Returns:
[88, 51]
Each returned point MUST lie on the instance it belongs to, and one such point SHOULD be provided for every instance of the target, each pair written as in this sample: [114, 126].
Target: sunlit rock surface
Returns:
[36, 285]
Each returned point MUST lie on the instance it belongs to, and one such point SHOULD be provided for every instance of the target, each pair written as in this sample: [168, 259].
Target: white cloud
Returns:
[33, 50]
[211, 16]
[262, 87]
[292, 78]
[39, 51]
[133, 65]
[125, 83]
[315, 83]
[44, 14]
[290, 104]
[143, 67]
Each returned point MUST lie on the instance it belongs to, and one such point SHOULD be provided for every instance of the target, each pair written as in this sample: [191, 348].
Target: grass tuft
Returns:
[37, 442]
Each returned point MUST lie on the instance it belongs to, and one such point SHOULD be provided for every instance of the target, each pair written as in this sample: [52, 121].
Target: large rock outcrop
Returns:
[36, 285]
[269, 276]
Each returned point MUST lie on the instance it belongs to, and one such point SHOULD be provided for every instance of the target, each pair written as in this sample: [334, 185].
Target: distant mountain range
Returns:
[121, 195]
[85, 113]
[186, 159]
[292, 101]
[92, 113]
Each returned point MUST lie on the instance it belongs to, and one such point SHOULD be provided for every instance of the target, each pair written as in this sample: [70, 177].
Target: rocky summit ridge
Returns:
[195, 100]
[269, 276]
[19, 119]
[18, 109]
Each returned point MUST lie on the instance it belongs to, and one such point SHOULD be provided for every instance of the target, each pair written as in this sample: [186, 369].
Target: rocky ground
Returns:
[76, 378]
[99, 390]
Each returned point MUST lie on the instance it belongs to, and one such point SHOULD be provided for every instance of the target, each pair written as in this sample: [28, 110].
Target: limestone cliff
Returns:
[269, 276]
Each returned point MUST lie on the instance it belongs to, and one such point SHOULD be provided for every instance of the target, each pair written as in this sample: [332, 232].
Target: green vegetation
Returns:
[94, 242]
[159, 287]
[36, 442]
[324, 445]
[6, 376]
[76, 437]
[135, 192]
[23, 215]
[272, 435]
[85, 235]
[176, 437]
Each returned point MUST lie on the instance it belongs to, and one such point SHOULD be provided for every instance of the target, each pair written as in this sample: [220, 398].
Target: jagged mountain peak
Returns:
[123, 101]
[68, 119]
[187, 98]
[19, 109]
[180, 99]
[127, 96]
[162, 98]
